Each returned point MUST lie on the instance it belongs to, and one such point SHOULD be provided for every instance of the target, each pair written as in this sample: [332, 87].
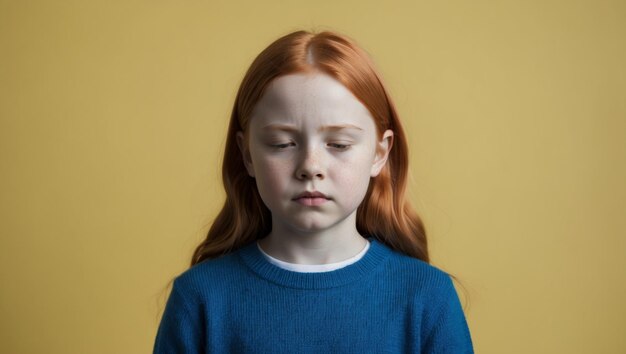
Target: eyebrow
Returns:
[290, 128]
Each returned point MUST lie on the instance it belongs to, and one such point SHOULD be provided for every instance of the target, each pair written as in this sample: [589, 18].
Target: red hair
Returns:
[384, 213]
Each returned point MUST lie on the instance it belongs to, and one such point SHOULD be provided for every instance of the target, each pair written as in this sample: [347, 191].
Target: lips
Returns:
[311, 199]
[312, 194]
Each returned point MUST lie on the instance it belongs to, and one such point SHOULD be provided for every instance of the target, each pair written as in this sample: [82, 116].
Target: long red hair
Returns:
[384, 213]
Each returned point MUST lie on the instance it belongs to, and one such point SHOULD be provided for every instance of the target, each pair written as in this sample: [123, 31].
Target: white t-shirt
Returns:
[314, 268]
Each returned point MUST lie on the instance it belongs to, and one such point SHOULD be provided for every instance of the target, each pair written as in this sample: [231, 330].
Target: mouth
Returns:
[313, 198]
[311, 194]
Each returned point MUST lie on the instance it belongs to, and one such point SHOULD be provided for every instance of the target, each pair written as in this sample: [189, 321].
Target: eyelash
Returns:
[345, 146]
[284, 146]
[280, 146]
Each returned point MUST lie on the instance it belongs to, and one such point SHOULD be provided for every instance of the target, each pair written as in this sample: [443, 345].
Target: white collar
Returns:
[314, 268]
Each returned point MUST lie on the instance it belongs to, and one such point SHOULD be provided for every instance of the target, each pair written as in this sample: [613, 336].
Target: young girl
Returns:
[316, 249]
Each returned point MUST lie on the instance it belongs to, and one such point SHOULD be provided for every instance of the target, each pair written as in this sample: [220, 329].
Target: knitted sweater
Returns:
[386, 302]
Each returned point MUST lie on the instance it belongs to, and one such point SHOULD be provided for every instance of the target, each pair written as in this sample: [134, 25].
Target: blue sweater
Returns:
[386, 302]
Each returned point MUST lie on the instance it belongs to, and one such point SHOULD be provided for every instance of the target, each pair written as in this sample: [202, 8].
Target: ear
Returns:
[245, 153]
[383, 147]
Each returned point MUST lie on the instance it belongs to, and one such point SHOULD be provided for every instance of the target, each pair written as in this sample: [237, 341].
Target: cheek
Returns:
[354, 178]
[271, 177]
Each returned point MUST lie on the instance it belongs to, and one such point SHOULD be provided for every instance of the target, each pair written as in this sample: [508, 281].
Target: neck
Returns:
[330, 245]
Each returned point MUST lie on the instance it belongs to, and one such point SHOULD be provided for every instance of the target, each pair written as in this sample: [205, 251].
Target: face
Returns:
[309, 133]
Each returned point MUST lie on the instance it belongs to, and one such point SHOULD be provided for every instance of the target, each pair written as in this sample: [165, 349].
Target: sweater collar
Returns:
[252, 257]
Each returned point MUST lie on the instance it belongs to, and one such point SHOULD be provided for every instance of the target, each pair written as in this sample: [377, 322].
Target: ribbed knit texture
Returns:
[386, 302]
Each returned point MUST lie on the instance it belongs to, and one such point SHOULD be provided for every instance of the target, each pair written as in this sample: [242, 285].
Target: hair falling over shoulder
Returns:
[384, 213]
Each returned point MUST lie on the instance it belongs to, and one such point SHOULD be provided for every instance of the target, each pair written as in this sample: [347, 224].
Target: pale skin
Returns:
[291, 149]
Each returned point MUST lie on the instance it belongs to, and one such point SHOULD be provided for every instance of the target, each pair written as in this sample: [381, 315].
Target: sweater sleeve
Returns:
[180, 327]
[446, 329]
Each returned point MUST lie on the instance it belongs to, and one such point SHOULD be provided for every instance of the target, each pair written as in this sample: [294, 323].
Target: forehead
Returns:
[309, 100]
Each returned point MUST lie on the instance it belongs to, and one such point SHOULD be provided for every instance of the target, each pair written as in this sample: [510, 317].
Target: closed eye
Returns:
[340, 146]
[281, 146]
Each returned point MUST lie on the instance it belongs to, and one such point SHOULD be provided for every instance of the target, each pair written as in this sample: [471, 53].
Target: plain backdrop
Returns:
[113, 116]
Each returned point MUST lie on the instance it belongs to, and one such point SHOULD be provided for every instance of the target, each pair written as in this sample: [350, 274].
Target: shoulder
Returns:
[207, 276]
[420, 278]
[416, 269]
[431, 294]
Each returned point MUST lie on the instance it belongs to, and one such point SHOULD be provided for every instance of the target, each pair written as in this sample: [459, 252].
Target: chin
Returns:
[311, 226]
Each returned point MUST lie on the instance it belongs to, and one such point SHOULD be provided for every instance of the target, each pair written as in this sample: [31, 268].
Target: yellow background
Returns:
[113, 117]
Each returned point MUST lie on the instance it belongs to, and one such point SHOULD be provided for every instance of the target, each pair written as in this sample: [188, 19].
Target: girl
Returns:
[316, 249]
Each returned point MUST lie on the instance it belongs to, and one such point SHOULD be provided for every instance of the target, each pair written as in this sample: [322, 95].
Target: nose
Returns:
[310, 165]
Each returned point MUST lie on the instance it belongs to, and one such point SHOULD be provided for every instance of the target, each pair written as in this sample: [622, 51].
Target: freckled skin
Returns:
[337, 163]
